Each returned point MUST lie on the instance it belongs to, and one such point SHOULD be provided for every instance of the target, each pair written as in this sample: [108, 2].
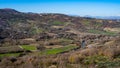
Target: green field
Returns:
[9, 54]
[58, 50]
[87, 23]
[25, 47]
[45, 52]
[58, 23]
[102, 32]
[29, 47]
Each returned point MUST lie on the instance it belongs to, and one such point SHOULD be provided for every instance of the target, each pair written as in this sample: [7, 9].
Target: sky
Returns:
[72, 7]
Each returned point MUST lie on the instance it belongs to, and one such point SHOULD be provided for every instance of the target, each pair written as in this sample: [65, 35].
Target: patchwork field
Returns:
[102, 32]
[59, 50]
[9, 55]
[48, 40]
[29, 47]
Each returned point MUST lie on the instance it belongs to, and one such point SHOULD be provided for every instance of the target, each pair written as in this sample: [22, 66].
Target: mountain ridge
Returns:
[30, 24]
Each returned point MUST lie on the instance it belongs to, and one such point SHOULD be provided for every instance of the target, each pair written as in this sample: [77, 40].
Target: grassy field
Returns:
[29, 47]
[87, 23]
[58, 23]
[9, 54]
[58, 50]
[25, 47]
[35, 30]
[102, 32]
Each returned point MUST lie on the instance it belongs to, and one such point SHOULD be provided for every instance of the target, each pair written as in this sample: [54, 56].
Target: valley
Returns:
[32, 40]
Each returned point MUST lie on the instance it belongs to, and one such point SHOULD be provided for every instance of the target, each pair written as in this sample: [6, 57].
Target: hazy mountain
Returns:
[104, 17]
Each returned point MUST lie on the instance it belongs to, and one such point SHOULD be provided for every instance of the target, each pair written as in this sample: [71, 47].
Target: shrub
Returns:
[89, 52]
[111, 52]
[40, 48]
[108, 64]
[95, 59]
[73, 58]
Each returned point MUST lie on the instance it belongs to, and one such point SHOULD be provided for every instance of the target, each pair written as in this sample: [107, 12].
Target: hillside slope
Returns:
[30, 24]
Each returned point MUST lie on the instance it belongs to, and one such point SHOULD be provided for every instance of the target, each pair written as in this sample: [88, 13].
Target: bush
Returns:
[111, 52]
[95, 59]
[40, 48]
[89, 52]
[73, 58]
[108, 64]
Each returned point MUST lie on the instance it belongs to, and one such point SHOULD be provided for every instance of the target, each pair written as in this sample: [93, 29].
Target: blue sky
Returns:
[74, 7]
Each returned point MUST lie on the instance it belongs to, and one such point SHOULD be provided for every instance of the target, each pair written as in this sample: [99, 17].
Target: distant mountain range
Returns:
[98, 17]
[104, 17]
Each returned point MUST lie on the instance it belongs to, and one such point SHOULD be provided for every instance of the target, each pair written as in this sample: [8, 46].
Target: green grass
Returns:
[9, 54]
[58, 23]
[87, 23]
[58, 50]
[29, 47]
[65, 41]
[102, 32]
[97, 24]
[101, 61]
[35, 30]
